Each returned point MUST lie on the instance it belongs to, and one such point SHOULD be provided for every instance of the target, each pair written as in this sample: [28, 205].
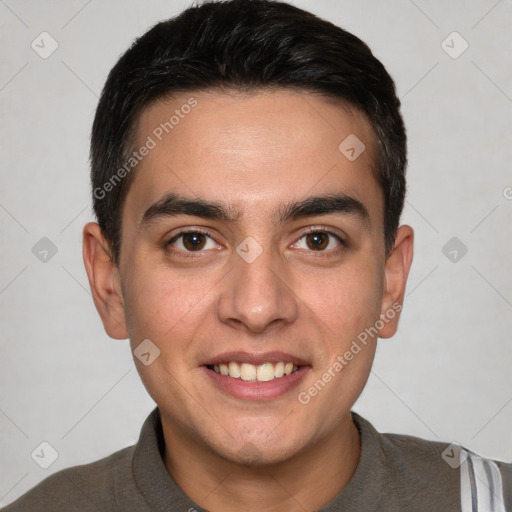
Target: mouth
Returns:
[256, 376]
[247, 372]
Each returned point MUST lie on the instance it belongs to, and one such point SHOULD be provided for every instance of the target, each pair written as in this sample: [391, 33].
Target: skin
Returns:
[254, 152]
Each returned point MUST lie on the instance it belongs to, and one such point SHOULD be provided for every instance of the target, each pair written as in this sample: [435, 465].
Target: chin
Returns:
[256, 452]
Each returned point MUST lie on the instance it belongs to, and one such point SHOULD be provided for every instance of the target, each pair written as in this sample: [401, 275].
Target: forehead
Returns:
[253, 150]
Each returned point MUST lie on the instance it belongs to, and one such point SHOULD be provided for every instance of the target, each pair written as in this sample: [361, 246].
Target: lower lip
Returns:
[257, 390]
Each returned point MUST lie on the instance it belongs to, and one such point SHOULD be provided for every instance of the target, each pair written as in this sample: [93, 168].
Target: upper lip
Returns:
[256, 358]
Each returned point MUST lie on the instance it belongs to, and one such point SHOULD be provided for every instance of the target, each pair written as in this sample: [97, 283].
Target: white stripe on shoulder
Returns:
[481, 486]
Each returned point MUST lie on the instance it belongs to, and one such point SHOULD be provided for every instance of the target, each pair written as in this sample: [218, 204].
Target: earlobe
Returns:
[398, 264]
[104, 281]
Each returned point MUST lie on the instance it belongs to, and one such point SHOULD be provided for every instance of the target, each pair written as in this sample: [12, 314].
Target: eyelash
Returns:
[195, 254]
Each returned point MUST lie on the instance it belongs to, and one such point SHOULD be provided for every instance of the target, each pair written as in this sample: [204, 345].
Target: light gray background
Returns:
[445, 376]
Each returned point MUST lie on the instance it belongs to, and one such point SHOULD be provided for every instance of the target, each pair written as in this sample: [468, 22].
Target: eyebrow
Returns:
[174, 204]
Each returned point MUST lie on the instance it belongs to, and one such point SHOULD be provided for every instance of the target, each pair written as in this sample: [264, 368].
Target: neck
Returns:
[307, 481]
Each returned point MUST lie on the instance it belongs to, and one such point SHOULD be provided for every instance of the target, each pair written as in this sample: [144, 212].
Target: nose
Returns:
[257, 294]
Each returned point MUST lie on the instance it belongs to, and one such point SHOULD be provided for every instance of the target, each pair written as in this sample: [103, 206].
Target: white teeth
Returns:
[249, 372]
[265, 372]
[279, 369]
[234, 370]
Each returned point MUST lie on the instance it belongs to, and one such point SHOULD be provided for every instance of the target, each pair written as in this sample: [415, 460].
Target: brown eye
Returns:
[192, 241]
[319, 240]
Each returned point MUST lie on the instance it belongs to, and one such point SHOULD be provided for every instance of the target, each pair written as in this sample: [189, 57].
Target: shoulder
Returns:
[408, 456]
[423, 467]
[86, 487]
[450, 467]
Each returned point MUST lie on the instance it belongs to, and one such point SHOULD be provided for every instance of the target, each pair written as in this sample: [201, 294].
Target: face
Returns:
[252, 293]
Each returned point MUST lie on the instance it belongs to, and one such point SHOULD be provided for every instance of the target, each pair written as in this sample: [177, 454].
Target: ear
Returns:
[396, 271]
[104, 280]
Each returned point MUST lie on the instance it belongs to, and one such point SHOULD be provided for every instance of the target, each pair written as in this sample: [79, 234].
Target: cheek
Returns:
[160, 304]
[348, 301]
[166, 310]
[346, 308]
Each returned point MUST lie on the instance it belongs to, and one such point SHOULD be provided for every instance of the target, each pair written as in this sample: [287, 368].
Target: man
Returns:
[248, 173]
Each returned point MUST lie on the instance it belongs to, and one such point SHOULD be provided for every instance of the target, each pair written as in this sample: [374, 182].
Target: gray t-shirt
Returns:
[395, 473]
